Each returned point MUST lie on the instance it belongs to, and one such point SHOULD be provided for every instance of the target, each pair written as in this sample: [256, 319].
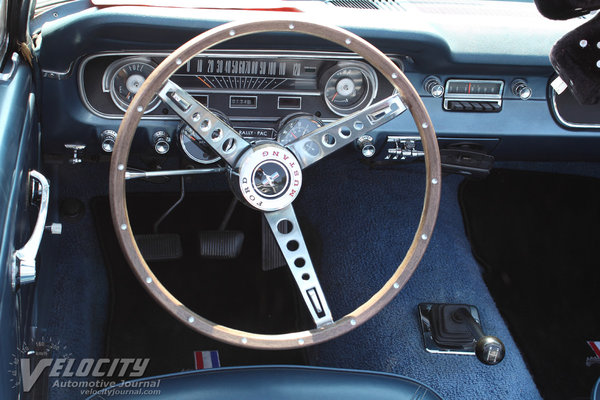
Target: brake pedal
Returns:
[160, 246]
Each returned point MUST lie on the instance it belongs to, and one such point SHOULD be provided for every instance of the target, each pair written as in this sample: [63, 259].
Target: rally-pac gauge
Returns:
[123, 79]
[195, 147]
[296, 126]
[349, 86]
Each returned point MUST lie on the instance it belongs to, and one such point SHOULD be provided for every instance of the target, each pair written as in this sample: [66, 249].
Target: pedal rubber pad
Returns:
[221, 244]
[272, 257]
[160, 247]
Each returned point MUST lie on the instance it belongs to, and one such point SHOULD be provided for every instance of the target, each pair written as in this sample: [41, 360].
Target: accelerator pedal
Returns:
[272, 258]
[160, 246]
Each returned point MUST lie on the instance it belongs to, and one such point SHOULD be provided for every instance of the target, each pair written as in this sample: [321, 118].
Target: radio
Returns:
[473, 95]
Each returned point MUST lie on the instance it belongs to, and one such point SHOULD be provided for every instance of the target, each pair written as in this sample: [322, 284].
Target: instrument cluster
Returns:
[274, 95]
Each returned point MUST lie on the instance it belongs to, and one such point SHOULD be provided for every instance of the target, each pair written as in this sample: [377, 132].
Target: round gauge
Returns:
[349, 86]
[126, 80]
[195, 147]
[297, 126]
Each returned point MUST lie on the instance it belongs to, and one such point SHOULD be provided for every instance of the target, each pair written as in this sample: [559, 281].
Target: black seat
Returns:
[271, 382]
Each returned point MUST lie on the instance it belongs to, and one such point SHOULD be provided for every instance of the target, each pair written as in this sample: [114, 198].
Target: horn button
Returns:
[270, 177]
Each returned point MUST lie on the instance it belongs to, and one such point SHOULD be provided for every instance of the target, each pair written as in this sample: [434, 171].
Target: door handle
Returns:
[23, 268]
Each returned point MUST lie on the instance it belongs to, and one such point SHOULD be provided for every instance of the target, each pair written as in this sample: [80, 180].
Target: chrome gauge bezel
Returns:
[370, 91]
[110, 75]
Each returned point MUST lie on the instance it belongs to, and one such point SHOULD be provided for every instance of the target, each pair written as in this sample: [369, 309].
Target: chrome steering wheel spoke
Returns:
[222, 138]
[326, 140]
[286, 229]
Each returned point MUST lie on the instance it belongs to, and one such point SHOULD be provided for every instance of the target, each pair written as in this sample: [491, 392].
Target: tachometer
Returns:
[125, 79]
[349, 86]
[296, 126]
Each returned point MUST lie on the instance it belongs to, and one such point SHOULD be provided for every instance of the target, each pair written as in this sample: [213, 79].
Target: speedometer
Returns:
[126, 78]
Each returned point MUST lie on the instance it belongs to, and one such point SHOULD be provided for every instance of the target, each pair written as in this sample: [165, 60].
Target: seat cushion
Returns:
[271, 382]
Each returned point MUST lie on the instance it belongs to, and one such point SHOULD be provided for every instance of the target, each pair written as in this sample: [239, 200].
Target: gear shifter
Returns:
[456, 329]
[488, 349]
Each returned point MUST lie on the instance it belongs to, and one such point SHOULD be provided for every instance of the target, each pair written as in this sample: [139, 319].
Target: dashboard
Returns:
[492, 95]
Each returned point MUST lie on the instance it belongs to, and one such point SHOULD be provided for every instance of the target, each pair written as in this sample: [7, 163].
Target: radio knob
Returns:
[521, 89]
[433, 85]
[107, 140]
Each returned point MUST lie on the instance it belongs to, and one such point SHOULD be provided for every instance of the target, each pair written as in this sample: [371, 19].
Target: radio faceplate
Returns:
[474, 95]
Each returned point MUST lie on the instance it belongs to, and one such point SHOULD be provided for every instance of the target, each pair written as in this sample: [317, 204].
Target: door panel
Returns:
[19, 153]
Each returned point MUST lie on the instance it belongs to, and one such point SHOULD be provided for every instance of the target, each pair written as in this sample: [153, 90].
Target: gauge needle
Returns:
[203, 81]
[334, 96]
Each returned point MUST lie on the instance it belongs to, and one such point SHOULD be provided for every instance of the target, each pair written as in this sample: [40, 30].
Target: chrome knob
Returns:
[161, 142]
[76, 149]
[107, 139]
[366, 146]
[520, 88]
[433, 85]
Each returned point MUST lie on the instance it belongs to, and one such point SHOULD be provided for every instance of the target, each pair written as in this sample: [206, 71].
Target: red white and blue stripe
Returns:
[207, 359]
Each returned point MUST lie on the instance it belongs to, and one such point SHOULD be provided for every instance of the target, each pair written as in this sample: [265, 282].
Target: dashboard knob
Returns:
[107, 139]
[433, 86]
[161, 142]
[366, 146]
[521, 89]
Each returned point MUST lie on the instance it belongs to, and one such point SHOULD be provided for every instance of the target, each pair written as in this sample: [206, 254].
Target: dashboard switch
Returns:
[107, 139]
[161, 142]
[366, 146]
[433, 86]
[520, 88]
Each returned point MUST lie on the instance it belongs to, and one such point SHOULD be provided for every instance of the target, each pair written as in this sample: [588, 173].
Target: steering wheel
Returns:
[268, 177]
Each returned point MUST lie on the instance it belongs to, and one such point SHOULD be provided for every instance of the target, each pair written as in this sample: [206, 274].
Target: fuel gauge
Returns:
[125, 79]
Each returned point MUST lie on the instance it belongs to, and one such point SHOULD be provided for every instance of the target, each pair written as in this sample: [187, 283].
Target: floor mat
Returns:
[536, 235]
[236, 293]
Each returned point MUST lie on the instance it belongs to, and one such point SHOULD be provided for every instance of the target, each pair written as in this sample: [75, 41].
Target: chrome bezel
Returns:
[472, 97]
[563, 121]
[335, 56]
[370, 91]
[110, 74]
[190, 156]
[257, 156]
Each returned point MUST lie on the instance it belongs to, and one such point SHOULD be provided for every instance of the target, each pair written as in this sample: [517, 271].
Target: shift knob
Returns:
[488, 349]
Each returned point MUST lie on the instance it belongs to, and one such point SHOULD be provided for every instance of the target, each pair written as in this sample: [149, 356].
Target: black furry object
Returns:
[566, 9]
[576, 58]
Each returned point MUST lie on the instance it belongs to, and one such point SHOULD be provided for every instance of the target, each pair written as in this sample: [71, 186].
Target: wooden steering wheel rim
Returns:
[153, 84]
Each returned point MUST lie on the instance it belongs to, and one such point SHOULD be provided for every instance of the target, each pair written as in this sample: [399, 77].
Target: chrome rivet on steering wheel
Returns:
[424, 125]
[292, 26]
[148, 280]
[434, 181]
[396, 285]
[123, 227]
[232, 33]
[424, 236]
[191, 320]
